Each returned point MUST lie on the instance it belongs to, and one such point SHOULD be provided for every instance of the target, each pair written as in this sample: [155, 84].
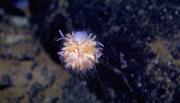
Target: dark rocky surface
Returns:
[5, 82]
[27, 74]
[77, 91]
[141, 58]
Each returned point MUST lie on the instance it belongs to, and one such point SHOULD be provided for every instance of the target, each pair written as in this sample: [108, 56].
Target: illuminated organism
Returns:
[80, 50]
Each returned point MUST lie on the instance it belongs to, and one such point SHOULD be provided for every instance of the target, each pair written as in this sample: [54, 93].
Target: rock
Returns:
[19, 21]
[75, 91]
[29, 76]
[5, 82]
[54, 100]
[48, 76]
[35, 89]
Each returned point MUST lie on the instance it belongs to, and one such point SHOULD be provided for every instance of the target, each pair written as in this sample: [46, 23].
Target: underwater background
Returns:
[141, 54]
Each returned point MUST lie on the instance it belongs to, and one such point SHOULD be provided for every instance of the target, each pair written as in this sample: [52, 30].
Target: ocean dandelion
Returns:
[80, 50]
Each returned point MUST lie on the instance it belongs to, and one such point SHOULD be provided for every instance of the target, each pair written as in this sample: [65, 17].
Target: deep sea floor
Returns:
[141, 54]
